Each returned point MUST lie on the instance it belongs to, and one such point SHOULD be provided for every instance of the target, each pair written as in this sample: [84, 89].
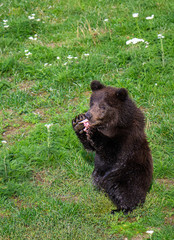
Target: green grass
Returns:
[45, 174]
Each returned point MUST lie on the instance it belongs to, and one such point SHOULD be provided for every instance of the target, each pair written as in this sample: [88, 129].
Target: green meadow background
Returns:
[50, 51]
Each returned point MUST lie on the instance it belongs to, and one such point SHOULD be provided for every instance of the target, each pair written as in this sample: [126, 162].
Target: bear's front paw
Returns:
[78, 124]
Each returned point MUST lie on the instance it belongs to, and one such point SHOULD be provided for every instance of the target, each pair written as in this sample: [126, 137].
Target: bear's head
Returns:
[111, 109]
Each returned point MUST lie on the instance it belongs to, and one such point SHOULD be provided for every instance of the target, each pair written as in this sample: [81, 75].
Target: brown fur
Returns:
[123, 162]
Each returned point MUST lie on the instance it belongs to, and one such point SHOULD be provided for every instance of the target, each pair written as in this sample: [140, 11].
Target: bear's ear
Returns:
[122, 94]
[96, 85]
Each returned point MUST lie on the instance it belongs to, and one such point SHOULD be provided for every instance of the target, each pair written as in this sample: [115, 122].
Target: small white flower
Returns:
[150, 231]
[3, 142]
[58, 58]
[106, 20]
[30, 17]
[38, 20]
[75, 57]
[5, 21]
[31, 38]
[69, 57]
[65, 63]
[35, 35]
[86, 54]
[134, 41]
[26, 51]
[48, 125]
[1, 4]
[160, 36]
[6, 26]
[146, 42]
[33, 14]
[50, 64]
[135, 15]
[45, 64]
[146, 46]
[150, 17]
[156, 84]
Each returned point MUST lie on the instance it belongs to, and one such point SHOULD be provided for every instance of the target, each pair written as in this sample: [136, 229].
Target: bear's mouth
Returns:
[87, 124]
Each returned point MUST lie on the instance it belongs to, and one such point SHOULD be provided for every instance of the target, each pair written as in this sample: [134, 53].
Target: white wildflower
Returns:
[65, 63]
[135, 15]
[32, 38]
[45, 64]
[86, 54]
[75, 57]
[160, 36]
[38, 20]
[58, 58]
[1, 4]
[33, 14]
[5, 21]
[106, 20]
[150, 231]
[6, 26]
[150, 17]
[31, 17]
[3, 142]
[48, 125]
[134, 41]
[69, 57]
[26, 51]
[156, 84]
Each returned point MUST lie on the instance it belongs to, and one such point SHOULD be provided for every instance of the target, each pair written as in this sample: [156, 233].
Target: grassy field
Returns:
[50, 51]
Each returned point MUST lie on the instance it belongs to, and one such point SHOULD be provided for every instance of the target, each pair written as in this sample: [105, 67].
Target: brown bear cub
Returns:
[114, 128]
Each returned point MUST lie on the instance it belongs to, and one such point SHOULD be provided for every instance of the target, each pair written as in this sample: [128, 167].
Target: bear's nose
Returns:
[88, 115]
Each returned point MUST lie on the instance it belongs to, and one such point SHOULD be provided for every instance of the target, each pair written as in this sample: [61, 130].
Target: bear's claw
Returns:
[77, 123]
